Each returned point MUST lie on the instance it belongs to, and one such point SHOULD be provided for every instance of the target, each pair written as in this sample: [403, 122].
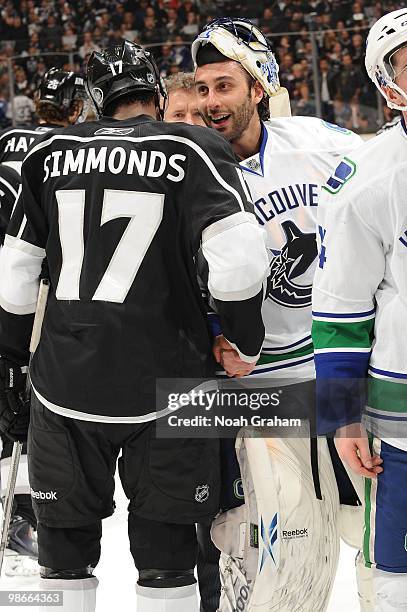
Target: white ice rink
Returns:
[117, 576]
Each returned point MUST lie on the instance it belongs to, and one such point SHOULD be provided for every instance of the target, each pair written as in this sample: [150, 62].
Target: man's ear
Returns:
[258, 92]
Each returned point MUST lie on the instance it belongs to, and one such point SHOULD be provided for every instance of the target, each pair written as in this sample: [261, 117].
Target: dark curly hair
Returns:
[263, 106]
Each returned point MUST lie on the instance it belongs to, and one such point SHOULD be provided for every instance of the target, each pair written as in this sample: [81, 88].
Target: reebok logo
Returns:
[296, 533]
[48, 495]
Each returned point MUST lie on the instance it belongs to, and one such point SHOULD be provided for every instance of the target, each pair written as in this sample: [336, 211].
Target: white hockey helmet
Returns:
[240, 40]
[387, 36]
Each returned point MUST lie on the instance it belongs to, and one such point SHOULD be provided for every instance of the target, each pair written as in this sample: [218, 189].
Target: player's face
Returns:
[225, 99]
[182, 106]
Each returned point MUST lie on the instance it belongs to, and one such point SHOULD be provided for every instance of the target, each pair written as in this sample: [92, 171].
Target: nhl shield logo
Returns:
[202, 493]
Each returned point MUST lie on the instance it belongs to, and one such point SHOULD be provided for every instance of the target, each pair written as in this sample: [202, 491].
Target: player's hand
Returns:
[352, 445]
[14, 406]
[229, 359]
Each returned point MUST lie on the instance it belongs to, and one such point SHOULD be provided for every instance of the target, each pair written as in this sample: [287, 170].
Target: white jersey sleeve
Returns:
[360, 284]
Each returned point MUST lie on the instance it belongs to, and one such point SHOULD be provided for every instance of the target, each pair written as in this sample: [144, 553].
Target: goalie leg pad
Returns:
[280, 550]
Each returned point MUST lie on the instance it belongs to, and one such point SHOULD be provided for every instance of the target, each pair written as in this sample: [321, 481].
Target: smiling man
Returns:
[285, 161]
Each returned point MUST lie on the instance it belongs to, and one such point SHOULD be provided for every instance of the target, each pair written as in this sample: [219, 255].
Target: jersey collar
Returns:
[255, 163]
[126, 122]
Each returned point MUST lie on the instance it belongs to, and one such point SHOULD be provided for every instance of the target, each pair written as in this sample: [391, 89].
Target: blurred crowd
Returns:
[41, 33]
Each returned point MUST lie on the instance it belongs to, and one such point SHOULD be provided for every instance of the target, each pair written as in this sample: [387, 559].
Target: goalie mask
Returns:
[240, 41]
[121, 70]
[61, 88]
[387, 36]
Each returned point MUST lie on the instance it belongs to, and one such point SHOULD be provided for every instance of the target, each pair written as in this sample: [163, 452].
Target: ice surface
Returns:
[117, 575]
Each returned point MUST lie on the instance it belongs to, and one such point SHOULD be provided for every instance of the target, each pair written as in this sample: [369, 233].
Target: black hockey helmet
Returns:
[60, 88]
[120, 70]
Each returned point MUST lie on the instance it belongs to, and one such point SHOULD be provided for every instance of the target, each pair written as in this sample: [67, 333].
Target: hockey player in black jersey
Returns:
[120, 208]
[59, 101]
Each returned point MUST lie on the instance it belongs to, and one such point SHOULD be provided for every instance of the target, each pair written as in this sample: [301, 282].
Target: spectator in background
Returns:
[22, 108]
[69, 39]
[172, 25]
[4, 120]
[304, 106]
[190, 30]
[52, 34]
[342, 112]
[19, 33]
[181, 55]
[349, 80]
[150, 33]
[327, 89]
[164, 61]
[88, 46]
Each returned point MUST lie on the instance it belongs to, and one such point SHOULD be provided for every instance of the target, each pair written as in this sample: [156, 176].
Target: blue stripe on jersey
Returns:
[342, 365]
[288, 346]
[384, 417]
[274, 368]
[352, 315]
[341, 393]
[388, 373]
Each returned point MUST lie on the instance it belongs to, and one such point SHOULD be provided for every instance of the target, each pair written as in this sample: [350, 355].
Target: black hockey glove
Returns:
[14, 405]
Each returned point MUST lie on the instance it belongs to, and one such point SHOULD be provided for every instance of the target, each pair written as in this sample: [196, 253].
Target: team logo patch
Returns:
[114, 131]
[97, 94]
[269, 537]
[150, 77]
[202, 493]
[296, 256]
[238, 489]
[343, 173]
[253, 164]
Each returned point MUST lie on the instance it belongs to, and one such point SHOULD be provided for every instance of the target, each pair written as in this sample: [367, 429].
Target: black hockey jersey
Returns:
[120, 209]
[15, 143]
[10, 183]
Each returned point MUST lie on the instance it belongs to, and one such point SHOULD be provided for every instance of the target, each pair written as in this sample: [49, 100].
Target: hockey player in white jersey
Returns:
[359, 304]
[285, 161]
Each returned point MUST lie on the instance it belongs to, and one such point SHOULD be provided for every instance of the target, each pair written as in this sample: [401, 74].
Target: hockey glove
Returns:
[14, 405]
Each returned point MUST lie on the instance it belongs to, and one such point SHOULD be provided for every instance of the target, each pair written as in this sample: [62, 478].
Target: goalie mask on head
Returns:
[387, 36]
[121, 70]
[241, 41]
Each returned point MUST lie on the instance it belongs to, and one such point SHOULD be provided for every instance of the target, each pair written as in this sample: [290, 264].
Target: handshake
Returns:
[229, 359]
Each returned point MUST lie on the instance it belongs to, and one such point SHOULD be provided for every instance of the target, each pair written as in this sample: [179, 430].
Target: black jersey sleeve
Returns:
[10, 183]
[21, 259]
[222, 222]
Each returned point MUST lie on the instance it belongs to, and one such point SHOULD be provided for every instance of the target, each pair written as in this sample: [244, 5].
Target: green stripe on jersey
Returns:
[326, 335]
[387, 395]
[367, 533]
[302, 352]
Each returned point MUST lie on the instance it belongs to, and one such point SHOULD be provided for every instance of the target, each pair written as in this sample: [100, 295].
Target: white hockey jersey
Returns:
[296, 157]
[360, 288]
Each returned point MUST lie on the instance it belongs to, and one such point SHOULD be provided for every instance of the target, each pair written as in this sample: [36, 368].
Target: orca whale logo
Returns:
[296, 256]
